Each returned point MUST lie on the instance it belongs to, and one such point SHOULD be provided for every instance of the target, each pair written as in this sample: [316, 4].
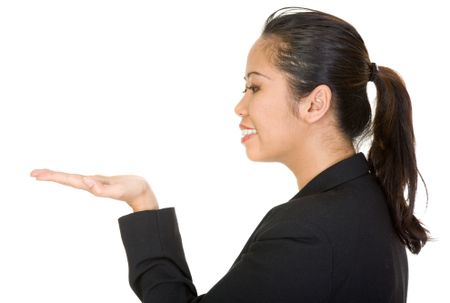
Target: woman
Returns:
[343, 236]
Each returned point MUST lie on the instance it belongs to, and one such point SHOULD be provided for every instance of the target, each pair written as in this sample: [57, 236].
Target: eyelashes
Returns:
[253, 88]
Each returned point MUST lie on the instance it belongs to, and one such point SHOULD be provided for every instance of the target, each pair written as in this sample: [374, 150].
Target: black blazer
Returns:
[332, 242]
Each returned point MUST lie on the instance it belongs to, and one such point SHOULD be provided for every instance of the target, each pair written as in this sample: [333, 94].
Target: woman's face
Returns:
[265, 107]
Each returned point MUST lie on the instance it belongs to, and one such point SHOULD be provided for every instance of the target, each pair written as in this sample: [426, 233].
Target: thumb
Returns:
[93, 185]
[89, 182]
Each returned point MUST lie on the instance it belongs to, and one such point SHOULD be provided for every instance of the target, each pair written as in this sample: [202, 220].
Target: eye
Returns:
[253, 88]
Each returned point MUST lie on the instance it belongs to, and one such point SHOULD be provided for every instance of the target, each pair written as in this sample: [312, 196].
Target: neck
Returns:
[306, 167]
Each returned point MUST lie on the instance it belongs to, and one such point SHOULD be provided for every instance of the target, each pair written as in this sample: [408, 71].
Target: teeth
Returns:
[246, 132]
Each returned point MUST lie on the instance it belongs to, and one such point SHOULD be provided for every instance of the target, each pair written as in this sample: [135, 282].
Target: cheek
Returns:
[278, 127]
[273, 127]
[270, 116]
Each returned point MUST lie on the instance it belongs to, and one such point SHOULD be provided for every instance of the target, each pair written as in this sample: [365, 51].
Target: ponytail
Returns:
[392, 156]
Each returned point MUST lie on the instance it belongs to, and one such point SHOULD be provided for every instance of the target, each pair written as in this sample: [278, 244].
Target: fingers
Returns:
[38, 172]
[43, 174]
[73, 180]
[97, 185]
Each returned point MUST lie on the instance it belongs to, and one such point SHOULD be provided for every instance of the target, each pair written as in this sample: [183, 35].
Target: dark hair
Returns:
[313, 48]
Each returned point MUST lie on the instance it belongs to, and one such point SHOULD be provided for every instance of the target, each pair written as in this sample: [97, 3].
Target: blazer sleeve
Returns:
[285, 262]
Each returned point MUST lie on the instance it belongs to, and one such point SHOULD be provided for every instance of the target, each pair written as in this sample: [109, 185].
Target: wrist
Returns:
[144, 202]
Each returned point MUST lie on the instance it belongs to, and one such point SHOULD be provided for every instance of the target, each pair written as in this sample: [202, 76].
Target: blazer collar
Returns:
[341, 172]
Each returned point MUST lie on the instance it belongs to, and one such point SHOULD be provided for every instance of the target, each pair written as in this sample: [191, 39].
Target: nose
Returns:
[241, 108]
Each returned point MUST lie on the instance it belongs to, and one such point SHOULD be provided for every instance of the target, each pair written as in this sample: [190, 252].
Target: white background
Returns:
[147, 88]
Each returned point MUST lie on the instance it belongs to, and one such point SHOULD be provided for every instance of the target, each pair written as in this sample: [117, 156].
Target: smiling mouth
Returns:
[247, 134]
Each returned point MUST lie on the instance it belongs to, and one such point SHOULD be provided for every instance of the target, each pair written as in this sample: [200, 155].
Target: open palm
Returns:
[129, 188]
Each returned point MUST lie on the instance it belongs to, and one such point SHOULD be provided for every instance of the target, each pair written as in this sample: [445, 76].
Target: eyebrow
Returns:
[256, 73]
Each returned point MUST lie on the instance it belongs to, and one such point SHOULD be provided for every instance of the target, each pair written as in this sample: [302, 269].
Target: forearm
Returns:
[158, 271]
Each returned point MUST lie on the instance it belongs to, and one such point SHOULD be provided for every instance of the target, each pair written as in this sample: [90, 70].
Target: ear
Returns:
[316, 104]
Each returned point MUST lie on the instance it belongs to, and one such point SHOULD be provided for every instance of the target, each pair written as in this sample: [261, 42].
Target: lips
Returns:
[247, 132]
[247, 137]
[242, 126]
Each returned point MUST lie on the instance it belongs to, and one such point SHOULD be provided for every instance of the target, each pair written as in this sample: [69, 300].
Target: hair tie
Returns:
[373, 71]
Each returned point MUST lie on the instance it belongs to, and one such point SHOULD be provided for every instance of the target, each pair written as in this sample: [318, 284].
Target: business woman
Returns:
[343, 236]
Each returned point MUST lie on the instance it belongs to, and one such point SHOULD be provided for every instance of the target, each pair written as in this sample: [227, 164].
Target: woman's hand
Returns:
[132, 189]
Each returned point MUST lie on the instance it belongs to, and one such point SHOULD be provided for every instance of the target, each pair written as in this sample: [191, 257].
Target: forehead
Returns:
[260, 57]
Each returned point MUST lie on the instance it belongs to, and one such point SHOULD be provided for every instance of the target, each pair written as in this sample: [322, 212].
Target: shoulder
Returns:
[354, 207]
[360, 197]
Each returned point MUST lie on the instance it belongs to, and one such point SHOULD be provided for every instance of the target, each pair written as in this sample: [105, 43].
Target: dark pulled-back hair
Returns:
[313, 48]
